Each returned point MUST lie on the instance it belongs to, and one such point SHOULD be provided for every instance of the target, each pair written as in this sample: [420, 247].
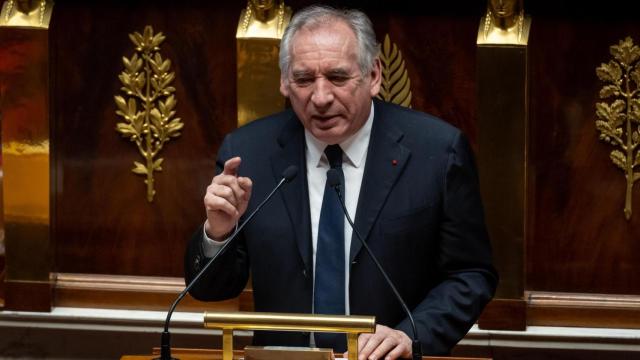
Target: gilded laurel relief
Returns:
[619, 123]
[396, 86]
[149, 103]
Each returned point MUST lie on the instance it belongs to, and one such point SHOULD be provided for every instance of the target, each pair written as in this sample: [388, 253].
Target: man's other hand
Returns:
[385, 343]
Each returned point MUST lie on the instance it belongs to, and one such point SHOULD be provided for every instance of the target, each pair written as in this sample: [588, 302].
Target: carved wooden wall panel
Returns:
[103, 223]
[579, 240]
[440, 58]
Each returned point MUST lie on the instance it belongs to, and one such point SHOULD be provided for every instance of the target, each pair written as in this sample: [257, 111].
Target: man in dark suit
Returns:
[408, 177]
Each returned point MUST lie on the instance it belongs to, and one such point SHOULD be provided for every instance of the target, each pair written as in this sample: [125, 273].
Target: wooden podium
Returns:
[352, 325]
[209, 354]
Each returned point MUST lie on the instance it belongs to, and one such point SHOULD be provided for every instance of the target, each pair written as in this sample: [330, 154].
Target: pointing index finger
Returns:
[231, 166]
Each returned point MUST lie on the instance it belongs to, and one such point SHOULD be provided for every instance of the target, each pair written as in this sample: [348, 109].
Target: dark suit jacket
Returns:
[419, 210]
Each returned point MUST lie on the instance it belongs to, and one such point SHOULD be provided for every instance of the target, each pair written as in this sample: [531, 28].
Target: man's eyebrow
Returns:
[338, 72]
[301, 73]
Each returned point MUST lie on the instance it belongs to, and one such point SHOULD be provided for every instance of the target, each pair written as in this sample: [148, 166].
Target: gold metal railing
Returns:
[230, 321]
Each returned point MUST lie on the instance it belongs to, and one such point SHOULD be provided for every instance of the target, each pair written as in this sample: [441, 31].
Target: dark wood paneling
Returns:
[440, 55]
[23, 96]
[504, 314]
[216, 354]
[578, 238]
[103, 222]
[129, 292]
[589, 310]
[515, 353]
[25, 295]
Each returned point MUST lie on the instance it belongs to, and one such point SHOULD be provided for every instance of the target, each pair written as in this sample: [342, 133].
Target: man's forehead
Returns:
[326, 34]
[327, 47]
[329, 65]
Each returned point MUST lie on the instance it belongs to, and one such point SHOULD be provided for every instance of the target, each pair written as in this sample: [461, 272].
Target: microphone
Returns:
[333, 179]
[165, 342]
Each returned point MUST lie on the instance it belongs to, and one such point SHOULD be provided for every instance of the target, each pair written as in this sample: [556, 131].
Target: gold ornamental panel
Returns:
[396, 86]
[619, 116]
[148, 106]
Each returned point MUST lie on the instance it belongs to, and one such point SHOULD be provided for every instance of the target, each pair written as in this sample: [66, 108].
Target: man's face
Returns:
[324, 83]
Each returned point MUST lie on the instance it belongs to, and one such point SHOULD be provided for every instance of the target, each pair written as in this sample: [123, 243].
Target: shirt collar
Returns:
[354, 147]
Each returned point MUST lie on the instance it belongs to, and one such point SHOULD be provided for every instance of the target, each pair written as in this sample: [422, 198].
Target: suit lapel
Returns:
[386, 159]
[294, 194]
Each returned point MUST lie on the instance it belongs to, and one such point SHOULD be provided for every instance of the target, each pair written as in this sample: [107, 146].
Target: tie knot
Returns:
[334, 155]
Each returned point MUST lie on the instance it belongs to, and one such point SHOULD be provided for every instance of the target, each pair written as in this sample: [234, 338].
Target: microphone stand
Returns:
[333, 177]
[165, 341]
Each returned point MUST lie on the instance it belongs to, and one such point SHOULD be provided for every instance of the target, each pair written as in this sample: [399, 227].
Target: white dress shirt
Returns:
[353, 161]
[354, 158]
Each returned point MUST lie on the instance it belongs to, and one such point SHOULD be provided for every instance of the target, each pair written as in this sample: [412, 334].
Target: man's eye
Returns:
[339, 80]
[303, 81]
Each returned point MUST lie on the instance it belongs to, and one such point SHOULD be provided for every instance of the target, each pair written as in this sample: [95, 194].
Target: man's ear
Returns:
[376, 77]
[284, 87]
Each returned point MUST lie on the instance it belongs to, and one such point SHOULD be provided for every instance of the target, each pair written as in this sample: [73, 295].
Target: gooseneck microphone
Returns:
[165, 343]
[333, 179]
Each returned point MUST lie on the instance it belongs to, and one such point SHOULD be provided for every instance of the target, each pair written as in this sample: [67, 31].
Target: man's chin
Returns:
[329, 136]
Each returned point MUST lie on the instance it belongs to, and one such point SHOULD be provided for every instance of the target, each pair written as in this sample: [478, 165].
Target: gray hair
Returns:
[317, 15]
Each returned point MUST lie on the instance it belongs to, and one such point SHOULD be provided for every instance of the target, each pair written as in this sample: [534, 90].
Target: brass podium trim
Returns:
[352, 325]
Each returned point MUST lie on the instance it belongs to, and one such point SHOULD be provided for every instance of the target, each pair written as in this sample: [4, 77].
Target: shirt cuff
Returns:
[211, 247]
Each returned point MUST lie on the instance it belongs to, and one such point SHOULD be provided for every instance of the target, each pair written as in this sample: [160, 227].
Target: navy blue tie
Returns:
[328, 294]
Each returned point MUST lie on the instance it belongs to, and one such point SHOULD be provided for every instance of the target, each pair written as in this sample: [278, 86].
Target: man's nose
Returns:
[322, 93]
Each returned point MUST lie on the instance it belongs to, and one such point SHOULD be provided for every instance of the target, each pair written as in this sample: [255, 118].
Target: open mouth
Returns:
[325, 121]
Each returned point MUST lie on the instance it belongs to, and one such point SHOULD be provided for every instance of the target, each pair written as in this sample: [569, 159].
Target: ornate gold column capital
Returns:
[504, 23]
[26, 13]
